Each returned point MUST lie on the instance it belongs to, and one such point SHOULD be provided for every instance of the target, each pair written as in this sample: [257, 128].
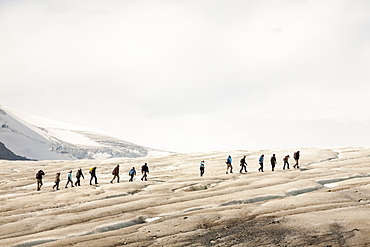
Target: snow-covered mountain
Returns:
[24, 136]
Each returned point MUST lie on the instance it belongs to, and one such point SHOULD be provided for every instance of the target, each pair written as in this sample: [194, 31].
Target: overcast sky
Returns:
[193, 75]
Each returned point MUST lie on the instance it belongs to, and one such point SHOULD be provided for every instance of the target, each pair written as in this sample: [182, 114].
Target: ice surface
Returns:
[310, 207]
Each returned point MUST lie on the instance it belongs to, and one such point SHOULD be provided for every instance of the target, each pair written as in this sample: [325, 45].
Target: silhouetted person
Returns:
[243, 165]
[144, 171]
[115, 174]
[69, 179]
[78, 177]
[286, 163]
[201, 168]
[260, 161]
[229, 162]
[39, 175]
[57, 181]
[273, 162]
[296, 158]
[93, 175]
[132, 173]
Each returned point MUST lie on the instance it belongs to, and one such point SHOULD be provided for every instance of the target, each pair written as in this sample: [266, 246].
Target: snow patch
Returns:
[73, 138]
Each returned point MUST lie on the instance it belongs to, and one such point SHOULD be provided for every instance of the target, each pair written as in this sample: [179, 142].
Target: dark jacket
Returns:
[93, 171]
[79, 174]
[273, 160]
[144, 169]
[242, 161]
[296, 155]
[115, 171]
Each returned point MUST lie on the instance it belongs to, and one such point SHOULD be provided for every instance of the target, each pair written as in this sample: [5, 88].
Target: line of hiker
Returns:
[145, 171]
[273, 161]
[93, 176]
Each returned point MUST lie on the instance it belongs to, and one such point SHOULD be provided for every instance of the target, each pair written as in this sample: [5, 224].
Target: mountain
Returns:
[24, 136]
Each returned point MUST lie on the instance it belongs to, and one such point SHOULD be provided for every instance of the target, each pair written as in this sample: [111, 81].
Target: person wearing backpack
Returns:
[115, 174]
[229, 165]
[243, 165]
[39, 175]
[132, 173]
[296, 158]
[93, 175]
[144, 171]
[79, 174]
[69, 179]
[56, 180]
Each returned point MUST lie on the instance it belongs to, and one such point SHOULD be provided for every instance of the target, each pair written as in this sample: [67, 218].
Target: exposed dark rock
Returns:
[6, 154]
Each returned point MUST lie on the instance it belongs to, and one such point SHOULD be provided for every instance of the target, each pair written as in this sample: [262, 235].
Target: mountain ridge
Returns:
[37, 138]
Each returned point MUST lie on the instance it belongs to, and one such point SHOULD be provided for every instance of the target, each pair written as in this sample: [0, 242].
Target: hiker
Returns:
[286, 162]
[115, 174]
[243, 165]
[132, 173]
[273, 162]
[144, 171]
[57, 180]
[69, 178]
[78, 177]
[201, 168]
[260, 161]
[39, 175]
[93, 175]
[229, 165]
[296, 158]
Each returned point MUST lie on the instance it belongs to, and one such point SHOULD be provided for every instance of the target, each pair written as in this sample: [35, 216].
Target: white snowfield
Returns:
[39, 138]
[326, 202]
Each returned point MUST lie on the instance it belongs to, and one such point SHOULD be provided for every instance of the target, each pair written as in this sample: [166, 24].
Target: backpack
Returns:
[39, 174]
